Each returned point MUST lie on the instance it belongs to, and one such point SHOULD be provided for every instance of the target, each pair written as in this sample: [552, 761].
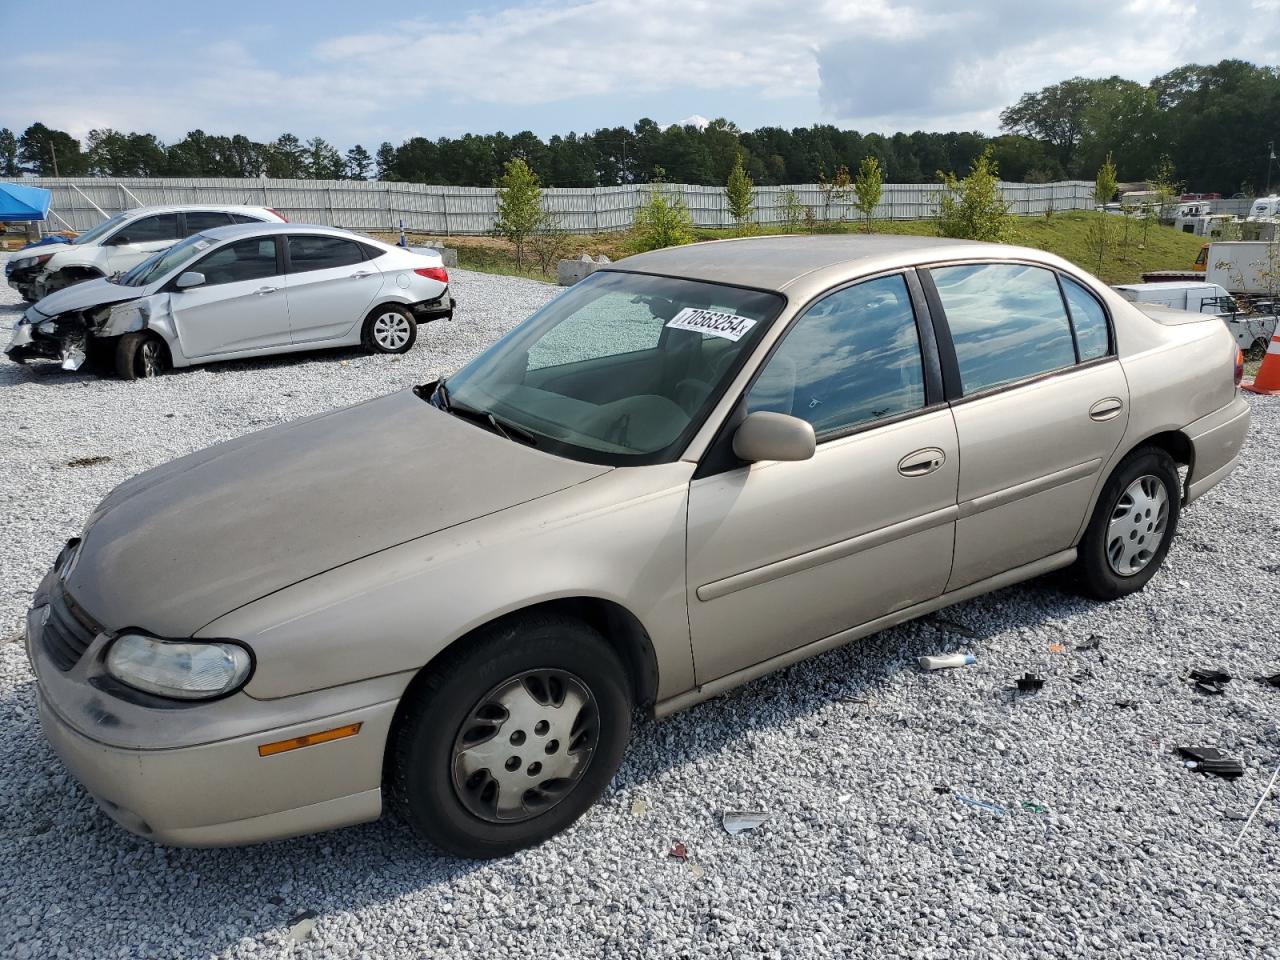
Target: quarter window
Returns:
[307, 252]
[251, 259]
[163, 226]
[1089, 320]
[1007, 321]
[853, 358]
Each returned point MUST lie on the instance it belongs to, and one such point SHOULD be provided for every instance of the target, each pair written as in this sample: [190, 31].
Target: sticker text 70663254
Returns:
[711, 322]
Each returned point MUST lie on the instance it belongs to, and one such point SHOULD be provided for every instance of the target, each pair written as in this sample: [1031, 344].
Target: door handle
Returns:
[361, 274]
[263, 291]
[1107, 409]
[921, 463]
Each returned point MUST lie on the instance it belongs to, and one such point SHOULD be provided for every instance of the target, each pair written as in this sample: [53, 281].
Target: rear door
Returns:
[1040, 404]
[784, 554]
[139, 239]
[330, 286]
[240, 306]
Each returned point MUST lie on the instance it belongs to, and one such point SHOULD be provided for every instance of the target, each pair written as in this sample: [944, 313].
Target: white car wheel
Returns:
[390, 330]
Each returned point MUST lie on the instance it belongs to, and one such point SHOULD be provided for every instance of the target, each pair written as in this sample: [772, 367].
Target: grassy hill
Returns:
[1063, 233]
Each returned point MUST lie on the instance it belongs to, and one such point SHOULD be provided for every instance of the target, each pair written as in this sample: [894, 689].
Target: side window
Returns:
[244, 218]
[163, 226]
[1093, 340]
[252, 259]
[198, 220]
[854, 357]
[317, 252]
[1007, 321]
[631, 326]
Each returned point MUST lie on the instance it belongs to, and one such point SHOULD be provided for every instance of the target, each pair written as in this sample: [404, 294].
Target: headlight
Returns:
[28, 262]
[187, 670]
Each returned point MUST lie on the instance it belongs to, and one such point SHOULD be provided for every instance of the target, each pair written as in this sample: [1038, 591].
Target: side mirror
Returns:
[774, 436]
[189, 279]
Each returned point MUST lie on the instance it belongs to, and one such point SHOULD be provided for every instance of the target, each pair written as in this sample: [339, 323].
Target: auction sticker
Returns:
[711, 322]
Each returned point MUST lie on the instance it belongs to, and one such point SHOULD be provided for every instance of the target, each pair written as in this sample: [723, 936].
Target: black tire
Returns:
[421, 759]
[140, 355]
[1096, 570]
[383, 334]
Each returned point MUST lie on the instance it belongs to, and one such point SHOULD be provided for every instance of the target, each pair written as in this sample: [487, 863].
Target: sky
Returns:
[365, 73]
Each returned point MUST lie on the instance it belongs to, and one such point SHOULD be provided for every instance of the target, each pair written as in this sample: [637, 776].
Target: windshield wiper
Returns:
[503, 428]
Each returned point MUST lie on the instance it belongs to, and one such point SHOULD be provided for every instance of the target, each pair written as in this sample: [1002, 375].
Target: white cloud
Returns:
[875, 64]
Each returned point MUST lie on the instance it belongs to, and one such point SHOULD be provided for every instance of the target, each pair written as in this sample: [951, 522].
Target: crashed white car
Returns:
[236, 292]
[120, 244]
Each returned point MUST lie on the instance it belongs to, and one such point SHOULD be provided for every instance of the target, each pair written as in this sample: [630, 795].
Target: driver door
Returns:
[784, 554]
[136, 241]
[240, 306]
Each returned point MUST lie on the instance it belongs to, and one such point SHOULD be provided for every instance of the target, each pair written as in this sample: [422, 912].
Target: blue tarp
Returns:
[19, 203]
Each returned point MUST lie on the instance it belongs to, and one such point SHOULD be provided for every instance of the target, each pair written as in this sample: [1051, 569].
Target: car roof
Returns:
[778, 262]
[271, 227]
[181, 207]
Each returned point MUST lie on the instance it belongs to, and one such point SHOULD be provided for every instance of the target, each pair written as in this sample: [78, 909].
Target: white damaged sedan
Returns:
[240, 291]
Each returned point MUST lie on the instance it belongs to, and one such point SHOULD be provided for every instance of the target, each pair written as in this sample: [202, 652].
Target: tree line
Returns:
[1209, 123]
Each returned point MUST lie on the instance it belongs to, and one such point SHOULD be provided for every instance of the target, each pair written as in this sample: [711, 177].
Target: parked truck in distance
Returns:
[1196, 296]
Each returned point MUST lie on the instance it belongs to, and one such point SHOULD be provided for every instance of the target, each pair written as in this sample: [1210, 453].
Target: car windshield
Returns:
[621, 369]
[166, 261]
[91, 235]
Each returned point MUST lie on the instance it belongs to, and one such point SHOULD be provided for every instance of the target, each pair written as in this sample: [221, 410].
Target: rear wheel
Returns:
[1132, 525]
[511, 739]
[140, 355]
[390, 329]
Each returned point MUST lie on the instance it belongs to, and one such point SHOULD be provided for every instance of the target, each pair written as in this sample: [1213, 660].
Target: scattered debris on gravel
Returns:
[1068, 826]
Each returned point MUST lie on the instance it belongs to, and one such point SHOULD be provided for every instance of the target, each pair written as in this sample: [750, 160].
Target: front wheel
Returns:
[1132, 525]
[390, 329]
[140, 355]
[511, 739]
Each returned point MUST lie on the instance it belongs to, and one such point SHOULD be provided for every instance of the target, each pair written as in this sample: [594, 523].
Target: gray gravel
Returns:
[861, 857]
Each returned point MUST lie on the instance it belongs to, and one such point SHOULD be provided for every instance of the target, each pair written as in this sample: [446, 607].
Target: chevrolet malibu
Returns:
[695, 467]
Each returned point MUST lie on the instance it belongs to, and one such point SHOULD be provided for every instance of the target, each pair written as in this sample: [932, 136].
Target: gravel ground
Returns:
[1133, 855]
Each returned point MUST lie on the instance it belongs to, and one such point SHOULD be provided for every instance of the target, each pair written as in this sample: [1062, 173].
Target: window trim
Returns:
[719, 456]
[950, 360]
[1106, 316]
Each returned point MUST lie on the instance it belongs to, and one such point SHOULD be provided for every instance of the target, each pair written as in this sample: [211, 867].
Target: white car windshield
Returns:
[164, 262]
[621, 369]
[91, 235]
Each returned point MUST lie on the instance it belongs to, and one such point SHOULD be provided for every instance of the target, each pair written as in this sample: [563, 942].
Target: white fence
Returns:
[81, 202]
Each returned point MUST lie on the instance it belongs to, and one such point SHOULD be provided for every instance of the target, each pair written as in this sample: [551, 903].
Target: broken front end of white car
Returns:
[79, 337]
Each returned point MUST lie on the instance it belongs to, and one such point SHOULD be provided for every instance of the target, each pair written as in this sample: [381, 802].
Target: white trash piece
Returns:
[946, 660]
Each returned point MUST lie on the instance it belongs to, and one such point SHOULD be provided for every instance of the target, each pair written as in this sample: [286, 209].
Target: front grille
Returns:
[68, 631]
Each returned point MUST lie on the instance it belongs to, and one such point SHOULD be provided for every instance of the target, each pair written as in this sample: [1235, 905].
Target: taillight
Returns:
[278, 214]
[433, 273]
[1239, 366]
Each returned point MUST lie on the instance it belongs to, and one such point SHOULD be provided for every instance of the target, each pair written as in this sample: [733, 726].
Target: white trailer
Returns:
[1196, 296]
[1247, 268]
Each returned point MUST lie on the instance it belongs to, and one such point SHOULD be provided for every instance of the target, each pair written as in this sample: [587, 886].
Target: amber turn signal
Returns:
[307, 740]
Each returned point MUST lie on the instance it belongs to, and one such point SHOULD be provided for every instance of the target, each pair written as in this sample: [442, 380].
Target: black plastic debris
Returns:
[1030, 683]
[941, 789]
[1093, 643]
[1210, 681]
[1212, 760]
[952, 626]
[1271, 681]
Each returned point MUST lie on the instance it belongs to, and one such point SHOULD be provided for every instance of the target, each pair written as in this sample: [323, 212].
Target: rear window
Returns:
[308, 252]
[1007, 320]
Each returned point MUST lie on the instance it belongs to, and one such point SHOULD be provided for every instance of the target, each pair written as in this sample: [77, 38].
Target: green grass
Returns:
[1064, 234]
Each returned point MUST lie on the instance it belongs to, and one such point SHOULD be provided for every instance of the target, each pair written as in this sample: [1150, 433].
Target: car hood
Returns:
[92, 293]
[185, 543]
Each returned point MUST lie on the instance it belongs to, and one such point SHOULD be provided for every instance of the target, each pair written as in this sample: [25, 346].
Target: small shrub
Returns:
[663, 221]
[519, 205]
[740, 194]
[974, 208]
[795, 214]
[867, 187]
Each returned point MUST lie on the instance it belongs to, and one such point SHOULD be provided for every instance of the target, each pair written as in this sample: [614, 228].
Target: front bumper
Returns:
[191, 774]
[24, 280]
[68, 343]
